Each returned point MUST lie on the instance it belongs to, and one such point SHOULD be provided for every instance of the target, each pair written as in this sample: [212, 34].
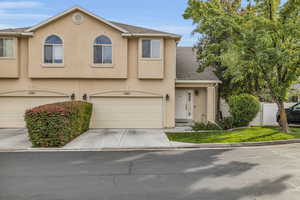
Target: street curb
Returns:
[175, 147]
[204, 131]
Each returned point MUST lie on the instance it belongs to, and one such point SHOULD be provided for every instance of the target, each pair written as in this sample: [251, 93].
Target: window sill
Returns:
[53, 65]
[150, 59]
[7, 58]
[102, 65]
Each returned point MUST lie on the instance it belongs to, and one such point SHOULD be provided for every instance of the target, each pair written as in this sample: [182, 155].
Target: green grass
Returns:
[252, 134]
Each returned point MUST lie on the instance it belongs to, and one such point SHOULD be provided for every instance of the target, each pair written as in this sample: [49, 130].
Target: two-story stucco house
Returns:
[135, 77]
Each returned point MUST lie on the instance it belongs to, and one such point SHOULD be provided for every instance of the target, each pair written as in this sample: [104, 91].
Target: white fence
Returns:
[265, 117]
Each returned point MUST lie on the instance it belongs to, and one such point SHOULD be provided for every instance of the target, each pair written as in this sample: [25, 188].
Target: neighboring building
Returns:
[127, 72]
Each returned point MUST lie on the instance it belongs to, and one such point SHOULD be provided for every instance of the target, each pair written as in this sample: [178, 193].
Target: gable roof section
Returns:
[187, 65]
[125, 29]
[76, 8]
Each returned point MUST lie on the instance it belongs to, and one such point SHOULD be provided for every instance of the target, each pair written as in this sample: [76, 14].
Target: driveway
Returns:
[103, 138]
[14, 139]
[94, 138]
[209, 174]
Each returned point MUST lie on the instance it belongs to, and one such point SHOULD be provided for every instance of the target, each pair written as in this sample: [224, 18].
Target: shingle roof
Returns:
[187, 65]
[139, 30]
[14, 30]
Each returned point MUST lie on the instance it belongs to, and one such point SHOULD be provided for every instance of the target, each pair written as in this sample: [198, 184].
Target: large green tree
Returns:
[258, 43]
[210, 48]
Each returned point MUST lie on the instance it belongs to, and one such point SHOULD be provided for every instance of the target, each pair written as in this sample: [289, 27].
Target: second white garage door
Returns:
[127, 112]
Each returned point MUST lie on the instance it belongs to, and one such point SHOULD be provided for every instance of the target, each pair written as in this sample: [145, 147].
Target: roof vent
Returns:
[77, 18]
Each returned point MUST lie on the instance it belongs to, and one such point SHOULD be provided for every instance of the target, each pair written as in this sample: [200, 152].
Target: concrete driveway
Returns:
[103, 138]
[14, 139]
[94, 138]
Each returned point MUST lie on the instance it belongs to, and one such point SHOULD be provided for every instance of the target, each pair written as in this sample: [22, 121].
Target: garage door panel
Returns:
[123, 116]
[12, 109]
[127, 112]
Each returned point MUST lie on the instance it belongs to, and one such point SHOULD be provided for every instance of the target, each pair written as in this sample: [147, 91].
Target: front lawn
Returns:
[252, 134]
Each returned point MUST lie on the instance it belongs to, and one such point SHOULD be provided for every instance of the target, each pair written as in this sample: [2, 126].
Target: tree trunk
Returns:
[283, 119]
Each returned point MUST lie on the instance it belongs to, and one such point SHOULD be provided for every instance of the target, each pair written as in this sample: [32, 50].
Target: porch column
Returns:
[210, 104]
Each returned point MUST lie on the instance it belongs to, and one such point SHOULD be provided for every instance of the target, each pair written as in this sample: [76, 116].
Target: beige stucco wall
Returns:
[9, 67]
[151, 68]
[78, 50]
[79, 77]
[200, 105]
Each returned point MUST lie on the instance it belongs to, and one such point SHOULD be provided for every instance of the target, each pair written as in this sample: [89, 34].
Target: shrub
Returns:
[54, 125]
[200, 126]
[243, 108]
[226, 123]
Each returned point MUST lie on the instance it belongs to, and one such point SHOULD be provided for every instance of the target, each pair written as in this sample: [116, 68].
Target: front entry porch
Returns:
[195, 102]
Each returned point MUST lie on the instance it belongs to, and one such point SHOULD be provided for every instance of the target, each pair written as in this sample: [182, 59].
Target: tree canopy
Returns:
[257, 45]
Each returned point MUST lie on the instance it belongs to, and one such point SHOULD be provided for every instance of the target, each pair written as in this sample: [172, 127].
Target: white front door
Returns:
[184, 104]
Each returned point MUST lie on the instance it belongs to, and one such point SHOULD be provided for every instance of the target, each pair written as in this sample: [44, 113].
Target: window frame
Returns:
[53, 65]
[151, 58]
[101, 65]
[14, 41]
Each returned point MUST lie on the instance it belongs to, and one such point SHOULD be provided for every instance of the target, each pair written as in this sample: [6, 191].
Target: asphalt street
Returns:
[208, 174]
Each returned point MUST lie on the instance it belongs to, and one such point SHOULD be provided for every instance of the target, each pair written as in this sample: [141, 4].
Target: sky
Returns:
[164, 15]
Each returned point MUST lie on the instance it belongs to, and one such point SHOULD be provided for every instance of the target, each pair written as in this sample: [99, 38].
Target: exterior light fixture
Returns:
[167, 97]
[196, 92]
[84, 97]
[72, 96]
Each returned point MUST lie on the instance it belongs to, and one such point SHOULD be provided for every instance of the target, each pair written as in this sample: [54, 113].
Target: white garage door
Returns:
[12, 109]
[127, 112]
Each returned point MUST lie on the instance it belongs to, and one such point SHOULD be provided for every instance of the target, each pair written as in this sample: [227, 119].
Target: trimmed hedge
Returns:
[54, 125]
[200, 126]
[243, 109]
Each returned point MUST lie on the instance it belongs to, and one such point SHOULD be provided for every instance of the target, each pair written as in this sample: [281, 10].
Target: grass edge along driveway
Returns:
[251, 134]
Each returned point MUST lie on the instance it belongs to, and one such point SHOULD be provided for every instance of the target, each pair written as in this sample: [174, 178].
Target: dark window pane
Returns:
[107, 54]
[146, 48]
[48, 54]
[97, 54]
[57, 60]
[1, 48]
[102, 40]
[53, 39]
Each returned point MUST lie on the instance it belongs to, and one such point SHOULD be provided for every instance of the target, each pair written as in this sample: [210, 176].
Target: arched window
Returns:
[53, 50]
[102, 50]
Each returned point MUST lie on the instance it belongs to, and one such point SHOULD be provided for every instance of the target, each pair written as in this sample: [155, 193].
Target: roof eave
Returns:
[16, 33]
[178, 37]
[198, 81]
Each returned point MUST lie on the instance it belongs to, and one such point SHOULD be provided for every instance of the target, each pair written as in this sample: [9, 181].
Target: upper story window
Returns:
[102, 50]
[53, 50]
[151, 48]
[6, 47]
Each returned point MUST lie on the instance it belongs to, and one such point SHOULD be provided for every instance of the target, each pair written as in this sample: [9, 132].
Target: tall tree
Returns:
[262, 42]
